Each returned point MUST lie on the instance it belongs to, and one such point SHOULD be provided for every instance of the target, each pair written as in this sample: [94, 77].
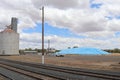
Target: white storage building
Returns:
[9, 41]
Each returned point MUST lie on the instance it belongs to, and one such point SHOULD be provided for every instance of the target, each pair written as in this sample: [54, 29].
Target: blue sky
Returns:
[117, 34]
[51, 30]
[95, 5]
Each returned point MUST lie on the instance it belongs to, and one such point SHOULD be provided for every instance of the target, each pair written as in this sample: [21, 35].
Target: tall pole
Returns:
[42, 34]
[48, 46]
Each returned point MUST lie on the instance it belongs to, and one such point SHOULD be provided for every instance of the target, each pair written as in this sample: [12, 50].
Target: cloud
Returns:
[27, 41]
[114, 25]
[76, 20]
[24, 10]
[75, 15]
[99, 35]
[63, 4]
[86, 19]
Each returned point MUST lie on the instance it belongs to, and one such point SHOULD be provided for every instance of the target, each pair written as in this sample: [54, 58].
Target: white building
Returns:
[9, 42]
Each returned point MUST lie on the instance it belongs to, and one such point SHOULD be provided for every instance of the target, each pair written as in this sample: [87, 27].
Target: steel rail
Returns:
[20, 72]
[26, 68]
[6, 77]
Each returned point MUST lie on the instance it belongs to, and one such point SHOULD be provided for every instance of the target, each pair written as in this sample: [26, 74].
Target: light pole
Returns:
[42, 34]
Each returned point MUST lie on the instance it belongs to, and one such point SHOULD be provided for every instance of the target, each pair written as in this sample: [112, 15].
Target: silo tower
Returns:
[14, 24]
[9, 39]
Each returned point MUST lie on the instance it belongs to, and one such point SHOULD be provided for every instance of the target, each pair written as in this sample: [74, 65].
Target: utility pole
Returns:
[42, 34]
[48, 46]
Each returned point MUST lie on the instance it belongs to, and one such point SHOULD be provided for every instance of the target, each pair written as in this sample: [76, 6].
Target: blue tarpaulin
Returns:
[83, 51]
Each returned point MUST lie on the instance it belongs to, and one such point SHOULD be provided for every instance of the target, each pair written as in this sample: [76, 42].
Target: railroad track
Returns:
[4, 77]
[62, 73]
[33, 76]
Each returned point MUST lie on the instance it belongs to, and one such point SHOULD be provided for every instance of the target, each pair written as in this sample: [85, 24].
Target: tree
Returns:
[30, 49]
[116, 50]
[69, 47]
[75, 47]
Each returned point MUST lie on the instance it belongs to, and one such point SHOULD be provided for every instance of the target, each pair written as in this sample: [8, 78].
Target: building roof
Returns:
[83, 51]
[8, 30]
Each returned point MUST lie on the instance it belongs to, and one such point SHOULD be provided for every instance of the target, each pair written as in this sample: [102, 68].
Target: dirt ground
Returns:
[102, 62]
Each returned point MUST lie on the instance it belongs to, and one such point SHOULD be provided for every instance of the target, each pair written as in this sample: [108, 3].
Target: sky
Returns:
[68, 23]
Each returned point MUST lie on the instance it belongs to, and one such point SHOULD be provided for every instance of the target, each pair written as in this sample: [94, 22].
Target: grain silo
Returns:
[9, 39]
[14, 24]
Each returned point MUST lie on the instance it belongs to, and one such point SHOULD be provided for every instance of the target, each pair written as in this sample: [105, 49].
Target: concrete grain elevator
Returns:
[9, 39]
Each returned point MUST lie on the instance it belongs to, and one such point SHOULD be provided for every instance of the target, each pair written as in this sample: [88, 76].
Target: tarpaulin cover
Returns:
[83, 51]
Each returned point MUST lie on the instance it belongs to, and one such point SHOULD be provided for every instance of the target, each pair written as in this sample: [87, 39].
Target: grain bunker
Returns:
[83, 51]
[9, 39]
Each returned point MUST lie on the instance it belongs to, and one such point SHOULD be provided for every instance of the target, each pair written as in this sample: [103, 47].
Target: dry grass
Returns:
[105, 62]
[115, 54]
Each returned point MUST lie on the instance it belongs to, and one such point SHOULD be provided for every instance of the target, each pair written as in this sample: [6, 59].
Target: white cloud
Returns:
[99, 35]
[75, 15]
[76, 20]
[114, 25]
[24, 10]
[63, 4]
[27, 41]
